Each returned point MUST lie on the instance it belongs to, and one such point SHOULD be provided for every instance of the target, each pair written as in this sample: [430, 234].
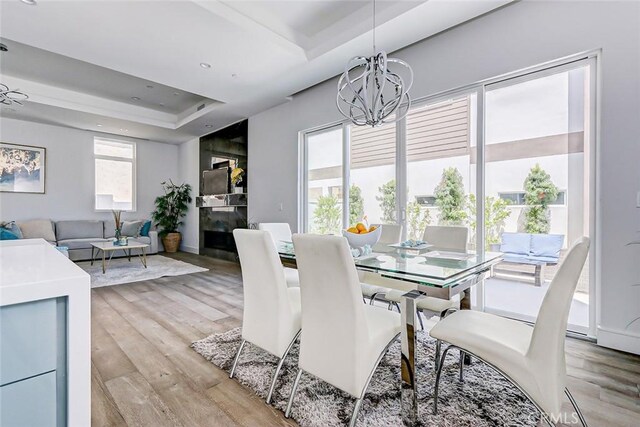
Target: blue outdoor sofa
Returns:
[538, 250]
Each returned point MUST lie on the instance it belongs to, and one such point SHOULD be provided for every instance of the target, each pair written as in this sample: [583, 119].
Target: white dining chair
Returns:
[343, 340]
[371, 284]
[532, 358]
[281, 232]
[449, 238]
[271, 317]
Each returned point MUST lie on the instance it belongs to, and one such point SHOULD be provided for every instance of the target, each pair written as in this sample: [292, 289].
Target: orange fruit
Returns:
[352, 230]
[372, 228]
[360, 226]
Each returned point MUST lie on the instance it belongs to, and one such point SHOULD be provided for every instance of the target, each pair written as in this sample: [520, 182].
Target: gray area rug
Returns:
[484, 399]
[121, 270]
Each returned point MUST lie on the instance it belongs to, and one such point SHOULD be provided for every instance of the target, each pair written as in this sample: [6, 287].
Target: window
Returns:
[516, 198]
[115, 171]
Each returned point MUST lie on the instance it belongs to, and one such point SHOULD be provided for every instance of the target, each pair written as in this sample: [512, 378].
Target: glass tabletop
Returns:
[435, 267]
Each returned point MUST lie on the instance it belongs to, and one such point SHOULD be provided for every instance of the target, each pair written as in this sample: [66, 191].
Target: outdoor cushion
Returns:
[131, 228]
[38, 229]
[79, 229]
[546, 245]
[80, 243]
[516, 243]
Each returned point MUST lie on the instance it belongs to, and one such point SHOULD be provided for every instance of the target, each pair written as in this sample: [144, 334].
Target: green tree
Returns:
[327, 217]
[356, 205]
[539, 192]
[495, 214]
[417, 220]
[451, 198]
[387, 201]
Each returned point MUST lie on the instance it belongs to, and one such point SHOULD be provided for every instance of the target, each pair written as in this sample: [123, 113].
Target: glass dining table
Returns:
[420, 273]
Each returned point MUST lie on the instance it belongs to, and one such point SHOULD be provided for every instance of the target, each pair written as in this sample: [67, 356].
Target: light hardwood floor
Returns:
[145, 374]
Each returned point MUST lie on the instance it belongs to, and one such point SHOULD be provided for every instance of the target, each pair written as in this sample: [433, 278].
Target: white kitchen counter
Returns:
[33, 270]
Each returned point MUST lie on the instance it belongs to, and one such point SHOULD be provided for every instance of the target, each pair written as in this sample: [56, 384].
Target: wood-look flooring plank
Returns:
[193, 304]
[104, 411]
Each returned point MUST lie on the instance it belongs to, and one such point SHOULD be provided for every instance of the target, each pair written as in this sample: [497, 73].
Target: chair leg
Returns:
[279, 367]
[420, 319]
[397, 306]
[389, 306]
[354, 414]
[235, 361]
[372, 298]
[293, 393]
[436, 362]
[575, 406]
[435, 390]
[461, 366]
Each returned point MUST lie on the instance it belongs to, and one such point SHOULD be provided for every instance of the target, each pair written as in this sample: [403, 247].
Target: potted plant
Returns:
[170, 208]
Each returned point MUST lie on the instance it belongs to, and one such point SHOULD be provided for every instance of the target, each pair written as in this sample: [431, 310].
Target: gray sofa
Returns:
[78, 235]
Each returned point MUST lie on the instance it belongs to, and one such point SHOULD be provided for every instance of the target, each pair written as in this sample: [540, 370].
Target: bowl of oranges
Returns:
[360, 235]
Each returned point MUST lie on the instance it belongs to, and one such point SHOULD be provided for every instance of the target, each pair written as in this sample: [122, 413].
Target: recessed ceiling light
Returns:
[176, 93]
[162, 104]
[30, 2]
[205, 65]
[149, 86]
[99, 125]
[135, 98]
[234, 75]
[208, 126]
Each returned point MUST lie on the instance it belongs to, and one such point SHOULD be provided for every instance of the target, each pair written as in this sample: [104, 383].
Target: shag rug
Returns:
[121, 270]
[484, 398]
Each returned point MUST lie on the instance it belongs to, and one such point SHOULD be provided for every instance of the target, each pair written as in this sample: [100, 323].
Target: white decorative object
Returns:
[361, 240]
[372, 90]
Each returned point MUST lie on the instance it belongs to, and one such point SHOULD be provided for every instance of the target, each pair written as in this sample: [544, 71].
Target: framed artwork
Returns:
[22, 168]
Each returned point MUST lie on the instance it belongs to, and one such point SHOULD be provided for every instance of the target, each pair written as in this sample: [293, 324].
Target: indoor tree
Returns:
[539, 192]
[451, 198]
[327, 216]
[171, 207]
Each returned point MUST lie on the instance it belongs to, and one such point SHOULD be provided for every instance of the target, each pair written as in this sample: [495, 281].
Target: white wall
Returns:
[70, 173]
[518, 36]
[189, 166]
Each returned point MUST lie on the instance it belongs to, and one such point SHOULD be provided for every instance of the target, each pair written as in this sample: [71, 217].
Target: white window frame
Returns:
[133, 161]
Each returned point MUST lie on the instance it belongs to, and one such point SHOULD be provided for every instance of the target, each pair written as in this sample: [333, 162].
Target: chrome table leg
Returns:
[409, 387]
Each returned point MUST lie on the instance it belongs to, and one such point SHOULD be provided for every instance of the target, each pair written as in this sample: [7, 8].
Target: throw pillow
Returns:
[38, 229]
[131, 228]
[5, 234]
[144, 231]
[12, 227]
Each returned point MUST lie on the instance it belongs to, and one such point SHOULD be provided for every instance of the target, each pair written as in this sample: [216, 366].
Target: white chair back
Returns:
[334, 331]
[449, 238]
[546, 350]
[391, 233]
[267, 318]
[280, 231]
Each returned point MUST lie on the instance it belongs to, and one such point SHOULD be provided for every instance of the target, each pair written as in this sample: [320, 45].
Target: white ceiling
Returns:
[82, 61]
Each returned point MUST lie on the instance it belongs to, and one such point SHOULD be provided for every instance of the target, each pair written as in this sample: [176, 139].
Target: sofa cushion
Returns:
[84, 243]
[546, 245]
[516, 243]
[80, 229]
[131, 228]
[142, 239]
[38, 229]
[110, 228]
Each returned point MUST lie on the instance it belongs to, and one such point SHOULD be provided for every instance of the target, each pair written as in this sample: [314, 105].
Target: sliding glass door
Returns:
[507, 157]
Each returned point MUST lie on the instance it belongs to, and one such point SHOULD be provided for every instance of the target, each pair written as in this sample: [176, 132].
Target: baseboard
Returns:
[190, 249]
[619, 340]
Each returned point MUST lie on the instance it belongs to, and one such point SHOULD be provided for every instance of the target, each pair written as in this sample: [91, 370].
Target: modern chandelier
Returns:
[372, 91]
[10, 97]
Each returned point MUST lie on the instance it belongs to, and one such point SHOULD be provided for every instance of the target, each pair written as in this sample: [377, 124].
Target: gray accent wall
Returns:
[70, 173]
[517, 36]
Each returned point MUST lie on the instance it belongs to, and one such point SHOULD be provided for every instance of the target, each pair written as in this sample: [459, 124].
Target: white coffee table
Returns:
[111, 248]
